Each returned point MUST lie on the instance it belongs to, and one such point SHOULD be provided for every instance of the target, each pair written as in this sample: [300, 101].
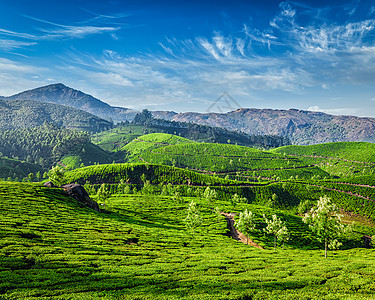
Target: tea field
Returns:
[138, 247]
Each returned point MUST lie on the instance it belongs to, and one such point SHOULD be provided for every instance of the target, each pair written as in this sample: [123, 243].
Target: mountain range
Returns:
[301, 127]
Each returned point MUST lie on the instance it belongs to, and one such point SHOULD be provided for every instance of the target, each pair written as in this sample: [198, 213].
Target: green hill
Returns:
[17, 169]
[342, 159]
[20, 114]
[243, 162]
[144, 123]
[153, 141]
[47, 145]
[52, 247]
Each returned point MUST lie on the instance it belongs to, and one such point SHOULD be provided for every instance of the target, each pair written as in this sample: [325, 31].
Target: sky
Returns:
[201, 56]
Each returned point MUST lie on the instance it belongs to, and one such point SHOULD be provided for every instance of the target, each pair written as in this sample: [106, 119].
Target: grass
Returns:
[52, 247]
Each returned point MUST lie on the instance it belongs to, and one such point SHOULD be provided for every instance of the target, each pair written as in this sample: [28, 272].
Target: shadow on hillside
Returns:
[138, 218]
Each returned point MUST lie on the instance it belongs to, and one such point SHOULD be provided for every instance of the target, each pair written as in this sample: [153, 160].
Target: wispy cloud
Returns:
[298, 51]
[8, 45]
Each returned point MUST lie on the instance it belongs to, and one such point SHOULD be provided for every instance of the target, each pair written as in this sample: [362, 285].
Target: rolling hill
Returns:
[52, 247]
[63, 95]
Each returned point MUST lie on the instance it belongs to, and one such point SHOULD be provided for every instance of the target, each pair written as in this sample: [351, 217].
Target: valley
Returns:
[174, 197]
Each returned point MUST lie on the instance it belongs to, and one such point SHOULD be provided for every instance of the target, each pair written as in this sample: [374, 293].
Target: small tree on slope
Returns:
[193, 218]
[325, 221]
[246, 223]
[277, 228]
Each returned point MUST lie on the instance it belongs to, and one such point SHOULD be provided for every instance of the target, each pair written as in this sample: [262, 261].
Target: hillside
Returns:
[52, 247]
[143, 123]
[226, 160]
[63, 95]
[17, 169]
[47, 145]
[16, 114]
[301, 127]
[341, 159]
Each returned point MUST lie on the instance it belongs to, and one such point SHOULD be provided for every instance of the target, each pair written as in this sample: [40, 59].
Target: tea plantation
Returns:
[143, 245]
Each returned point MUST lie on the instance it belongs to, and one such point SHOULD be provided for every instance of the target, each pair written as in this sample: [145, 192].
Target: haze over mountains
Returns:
[302, 127]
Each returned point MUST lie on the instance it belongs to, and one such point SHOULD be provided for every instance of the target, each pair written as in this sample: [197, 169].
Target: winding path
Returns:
[235, 234]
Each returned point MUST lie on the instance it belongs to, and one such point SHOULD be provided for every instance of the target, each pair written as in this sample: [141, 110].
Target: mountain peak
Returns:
[59, 93]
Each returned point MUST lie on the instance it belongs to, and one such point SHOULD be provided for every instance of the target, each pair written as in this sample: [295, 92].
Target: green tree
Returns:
[325, 221]
[102, 193]
[210, 195]
[275, 227]
[56, 175]
[246, 223]
[31, 177]
[177, 197]
[236, 199]
[193, 218]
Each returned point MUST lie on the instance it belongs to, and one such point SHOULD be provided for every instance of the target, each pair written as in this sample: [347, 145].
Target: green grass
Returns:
[52, 247]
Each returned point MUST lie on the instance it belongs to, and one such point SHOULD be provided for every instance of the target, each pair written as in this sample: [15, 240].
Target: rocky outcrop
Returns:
[78, 192]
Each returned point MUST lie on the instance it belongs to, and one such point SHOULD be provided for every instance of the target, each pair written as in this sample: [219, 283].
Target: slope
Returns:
[52, 247]
[342, 159]
[243, 163]
[61, 94]
[15, 114]
[301, 127]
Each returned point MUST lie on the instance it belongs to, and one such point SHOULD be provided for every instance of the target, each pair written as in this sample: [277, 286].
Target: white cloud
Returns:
[8, 45]
[334, 111]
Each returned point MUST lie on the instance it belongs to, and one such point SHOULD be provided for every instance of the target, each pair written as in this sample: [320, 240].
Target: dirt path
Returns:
[234, 233]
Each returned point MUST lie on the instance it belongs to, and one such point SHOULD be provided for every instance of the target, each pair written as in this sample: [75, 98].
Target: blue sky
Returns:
[182, 56]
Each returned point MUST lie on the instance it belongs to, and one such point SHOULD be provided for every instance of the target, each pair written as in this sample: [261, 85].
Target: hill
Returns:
[47, 145]
[53, 247]
[234, 161]
[341, 159]
[144, 123]
[63, 95]
[16, 114]
[301, 127]
[17, 169]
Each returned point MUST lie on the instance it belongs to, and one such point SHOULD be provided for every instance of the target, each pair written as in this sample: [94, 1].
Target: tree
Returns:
[102, 193]
[143, 118]
[31, 177]
[275, 227]
[246, 223]
[210, 195]
[325, 221]
[236, 199]
[193, 218]
[56, 175]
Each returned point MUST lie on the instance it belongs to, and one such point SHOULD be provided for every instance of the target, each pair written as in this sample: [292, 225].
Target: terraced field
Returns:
[51, 247]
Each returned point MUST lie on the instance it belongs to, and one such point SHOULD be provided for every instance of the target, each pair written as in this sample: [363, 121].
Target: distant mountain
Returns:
[61, 94]
[301, 127]
[17, 114]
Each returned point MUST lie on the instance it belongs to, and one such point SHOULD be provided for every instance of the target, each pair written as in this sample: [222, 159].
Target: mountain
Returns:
[61, 94]
[301, 127]
[17, 114]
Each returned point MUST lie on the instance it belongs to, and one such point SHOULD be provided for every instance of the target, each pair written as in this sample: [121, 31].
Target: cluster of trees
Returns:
[206, 133]
[43, 145]
[324, 220]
